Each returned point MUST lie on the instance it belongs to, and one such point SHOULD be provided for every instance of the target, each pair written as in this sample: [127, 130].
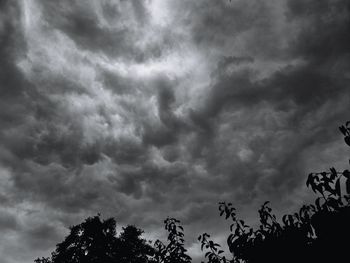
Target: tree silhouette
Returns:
[95, 241]
[316, 233]
[175, 251]
[91, 241]
[132, 248]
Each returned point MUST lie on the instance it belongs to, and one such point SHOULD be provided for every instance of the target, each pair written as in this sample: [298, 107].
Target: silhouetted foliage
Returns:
[345, 130]
[91, 241]
[316, 233]
[95, 240]
[42, 260]
[175, 251]
[132, 248]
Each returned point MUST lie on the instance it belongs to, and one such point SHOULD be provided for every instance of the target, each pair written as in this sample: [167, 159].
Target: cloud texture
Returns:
[147, 109]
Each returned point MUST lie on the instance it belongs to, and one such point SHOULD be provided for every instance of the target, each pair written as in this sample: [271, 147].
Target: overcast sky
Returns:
[146, 109]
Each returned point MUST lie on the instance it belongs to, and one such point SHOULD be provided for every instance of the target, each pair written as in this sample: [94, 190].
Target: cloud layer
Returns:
[147, 109]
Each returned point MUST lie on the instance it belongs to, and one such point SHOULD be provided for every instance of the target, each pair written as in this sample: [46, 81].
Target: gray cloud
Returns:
[147, 109]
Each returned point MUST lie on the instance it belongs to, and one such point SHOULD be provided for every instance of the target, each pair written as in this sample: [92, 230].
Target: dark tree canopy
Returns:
[95, 241]
[132, 248]
[91, 241]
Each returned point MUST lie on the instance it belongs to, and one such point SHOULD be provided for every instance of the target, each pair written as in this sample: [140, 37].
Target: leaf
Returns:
[313, 187]
[333, 203]
[347, 184]
[231, 227]
[227, 212]
[317, 202]
[347, 140]
[319, 188]
[337, 187]
[297, 216]
[284, 220]
[309, 180]
[333, 173]
[229, 239]
[343, 130]
[346, 174]
[313, 208]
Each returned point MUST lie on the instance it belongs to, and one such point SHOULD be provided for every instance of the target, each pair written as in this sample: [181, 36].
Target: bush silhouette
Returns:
[316, 233]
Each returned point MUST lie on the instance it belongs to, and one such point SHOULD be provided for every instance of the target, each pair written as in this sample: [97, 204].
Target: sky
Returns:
[142, 110]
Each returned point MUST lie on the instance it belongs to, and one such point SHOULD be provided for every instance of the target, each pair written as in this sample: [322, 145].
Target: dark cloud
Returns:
[12, 80]
[8, 221]
[170, 126]
[42, 236]
[148, 109]
[323, 33]
[236, 26]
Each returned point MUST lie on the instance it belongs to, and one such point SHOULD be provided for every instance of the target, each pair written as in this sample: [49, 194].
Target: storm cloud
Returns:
[146, 109]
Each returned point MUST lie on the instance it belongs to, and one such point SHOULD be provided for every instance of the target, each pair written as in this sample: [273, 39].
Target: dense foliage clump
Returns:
[95, 241]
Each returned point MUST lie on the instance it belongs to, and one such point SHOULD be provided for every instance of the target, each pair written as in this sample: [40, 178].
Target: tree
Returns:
[132, 248]
[175, 251]
[95, 241]
[316, 233]
[92, 241]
